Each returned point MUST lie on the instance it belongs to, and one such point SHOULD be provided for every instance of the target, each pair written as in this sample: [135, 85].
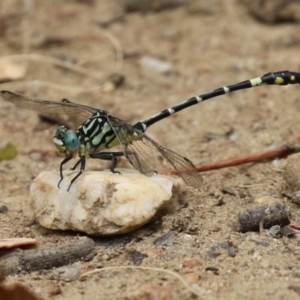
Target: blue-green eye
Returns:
[71, 140]
[60, 132]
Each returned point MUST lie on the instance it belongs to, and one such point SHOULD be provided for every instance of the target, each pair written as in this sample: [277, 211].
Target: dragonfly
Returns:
[101, 131]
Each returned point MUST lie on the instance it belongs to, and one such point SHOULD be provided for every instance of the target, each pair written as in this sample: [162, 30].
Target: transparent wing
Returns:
[63, 108]
[140, 155]
[138, 149]
[182, 165]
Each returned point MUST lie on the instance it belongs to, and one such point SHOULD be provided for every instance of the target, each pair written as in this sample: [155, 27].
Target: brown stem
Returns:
[279, 152]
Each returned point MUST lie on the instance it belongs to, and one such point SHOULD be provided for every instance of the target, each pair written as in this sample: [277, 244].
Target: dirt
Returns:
[207, 47]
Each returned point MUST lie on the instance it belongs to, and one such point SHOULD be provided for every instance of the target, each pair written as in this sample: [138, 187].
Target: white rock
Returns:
[103, 203]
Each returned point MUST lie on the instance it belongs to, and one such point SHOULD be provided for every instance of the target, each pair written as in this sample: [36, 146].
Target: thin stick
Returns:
[280, 152]
[295, 225]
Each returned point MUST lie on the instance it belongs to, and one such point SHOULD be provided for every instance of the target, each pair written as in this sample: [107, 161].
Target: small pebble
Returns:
[67, 273]
[287, 231]
[3, 209]
[164, 239]
[186, 240]
[274, 231]
[138, 257]
[216, 250]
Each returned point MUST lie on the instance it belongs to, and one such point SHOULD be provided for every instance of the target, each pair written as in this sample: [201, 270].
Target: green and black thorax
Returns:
[98, 132]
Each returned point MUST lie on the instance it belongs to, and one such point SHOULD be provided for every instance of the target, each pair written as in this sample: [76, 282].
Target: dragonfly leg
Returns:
[112, 156]
[76, 165]
[61, 169]
[82, 167]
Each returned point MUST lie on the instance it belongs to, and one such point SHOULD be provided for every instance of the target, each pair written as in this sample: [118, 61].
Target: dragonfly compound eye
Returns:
[59, 136]
[60, 132]
[71, 140]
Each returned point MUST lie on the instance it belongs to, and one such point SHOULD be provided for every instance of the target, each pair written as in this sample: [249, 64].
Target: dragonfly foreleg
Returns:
[61, 169]
[81, 161]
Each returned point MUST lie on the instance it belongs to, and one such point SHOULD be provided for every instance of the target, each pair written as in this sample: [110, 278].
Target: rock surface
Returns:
[103, 203]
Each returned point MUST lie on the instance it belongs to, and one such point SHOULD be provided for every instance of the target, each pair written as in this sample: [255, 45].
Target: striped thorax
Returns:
[96, 133]
[93, 136]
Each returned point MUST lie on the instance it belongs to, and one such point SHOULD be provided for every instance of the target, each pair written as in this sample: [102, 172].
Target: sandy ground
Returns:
[206, 47]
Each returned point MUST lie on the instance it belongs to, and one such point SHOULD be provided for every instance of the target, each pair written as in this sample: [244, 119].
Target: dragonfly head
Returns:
[66, 141]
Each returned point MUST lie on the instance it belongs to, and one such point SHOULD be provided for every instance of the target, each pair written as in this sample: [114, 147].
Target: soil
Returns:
[207, 46]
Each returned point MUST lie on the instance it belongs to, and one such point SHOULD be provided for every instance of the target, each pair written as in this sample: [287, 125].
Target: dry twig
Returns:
[279, 152]
[37, 259]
